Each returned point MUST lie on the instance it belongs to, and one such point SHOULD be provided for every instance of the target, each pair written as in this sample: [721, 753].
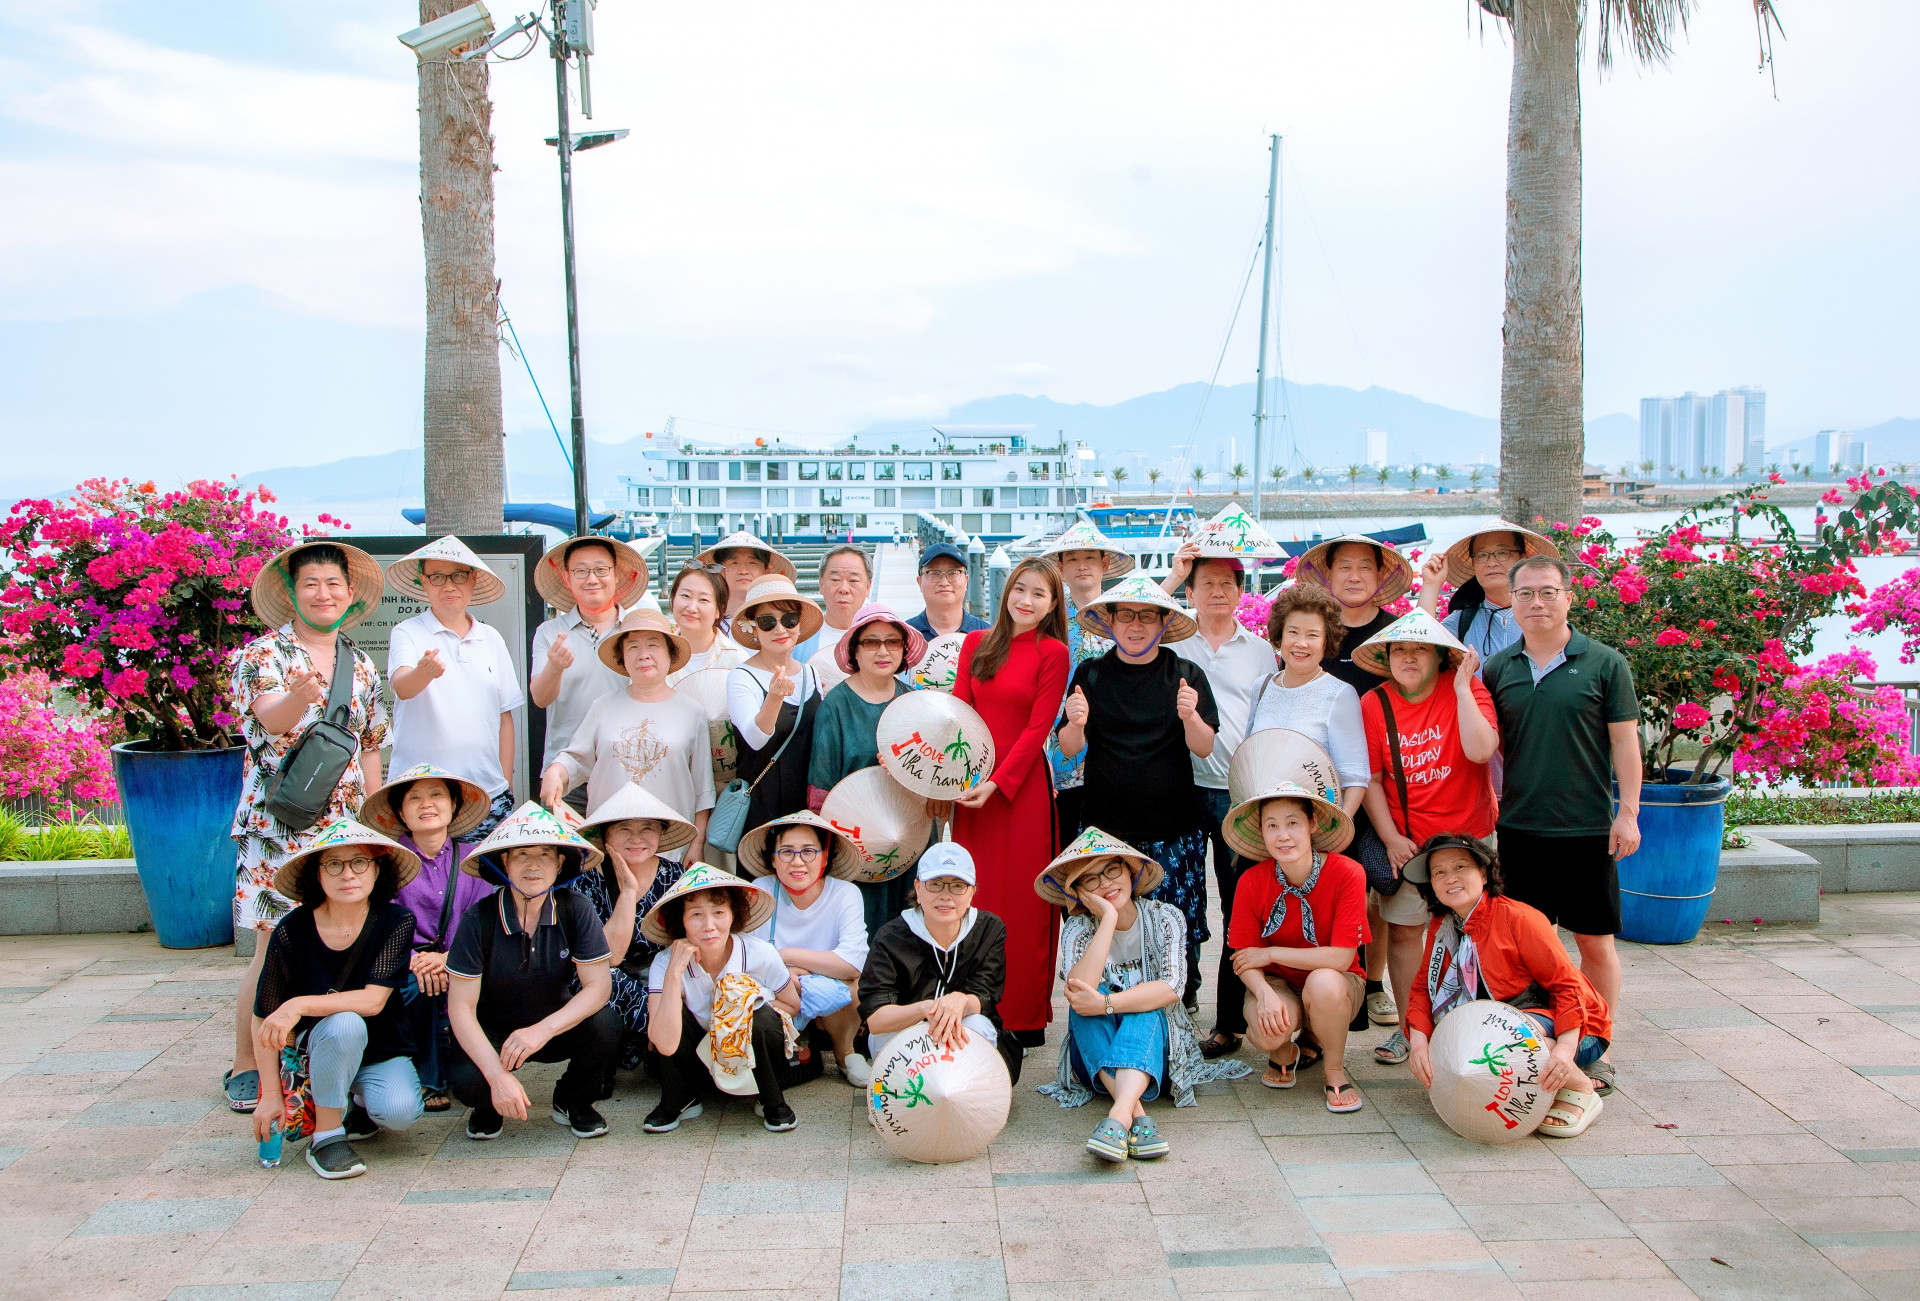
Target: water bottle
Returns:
[270, 1147]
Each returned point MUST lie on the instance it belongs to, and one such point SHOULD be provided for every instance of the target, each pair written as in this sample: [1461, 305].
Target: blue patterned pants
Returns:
[1184, 860]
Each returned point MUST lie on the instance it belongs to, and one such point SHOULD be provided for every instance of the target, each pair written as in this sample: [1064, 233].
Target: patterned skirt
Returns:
[1184, 860]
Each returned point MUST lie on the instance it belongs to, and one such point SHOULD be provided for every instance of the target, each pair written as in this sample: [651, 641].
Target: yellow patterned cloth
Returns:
[730, 1034]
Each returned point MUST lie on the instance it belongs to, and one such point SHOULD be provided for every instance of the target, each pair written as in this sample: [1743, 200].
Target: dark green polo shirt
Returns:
[1559, 759]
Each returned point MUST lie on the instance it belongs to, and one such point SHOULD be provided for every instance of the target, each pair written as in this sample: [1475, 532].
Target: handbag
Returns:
[728, 821]
[304, 786]
[296, 1077]
[1399, 769]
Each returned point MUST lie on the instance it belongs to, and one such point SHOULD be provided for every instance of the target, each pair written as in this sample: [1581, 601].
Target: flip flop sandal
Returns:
[1219, 1044]
[1282, 1075]
[242, 1089]
[434, 1100]
[1575, 1111]
[1601, 1073]
[1336, 1090]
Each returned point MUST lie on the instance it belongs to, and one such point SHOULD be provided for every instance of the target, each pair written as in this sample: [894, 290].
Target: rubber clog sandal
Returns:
[1575, 1111]
[242, 1089]
[1381, 1009]
[1601, 1073]
[1109, 1141]
[1144, 1140]
[1336, 1090]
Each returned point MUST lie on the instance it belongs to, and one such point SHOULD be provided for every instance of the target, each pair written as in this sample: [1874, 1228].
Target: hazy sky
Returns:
[831, 213]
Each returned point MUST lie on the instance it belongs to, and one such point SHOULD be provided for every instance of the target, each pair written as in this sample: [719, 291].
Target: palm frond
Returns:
[1644, 28]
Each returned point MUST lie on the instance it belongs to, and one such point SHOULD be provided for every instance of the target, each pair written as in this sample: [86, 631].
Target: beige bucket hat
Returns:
[679, 649]
[705, 876]
[934, 744]
[1055, 882]
[843, 860]
[550, 574]
[887, 823]
[1396, 572]
[1082, 535]
[531, 824]
[407, 575]
[1138, 589]
[381, 810]
[1234, 534]
[1416, 627]
[634, 801]
[775, 587]
[1241, 827]
[1460, 564]
[392, 856]
[273, 585]
[1275, 754]
[776, 563]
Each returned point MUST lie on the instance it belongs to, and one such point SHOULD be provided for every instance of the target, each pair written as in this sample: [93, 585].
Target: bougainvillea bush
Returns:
[48, 753]
[1815, 726]
[131, 600]
[1894, 605]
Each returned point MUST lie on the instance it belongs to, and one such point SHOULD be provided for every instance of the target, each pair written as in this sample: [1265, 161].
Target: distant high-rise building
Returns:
[1376, 447]
[1847, 450]
[1823, 450]
[1694, 433]
[1737, 424]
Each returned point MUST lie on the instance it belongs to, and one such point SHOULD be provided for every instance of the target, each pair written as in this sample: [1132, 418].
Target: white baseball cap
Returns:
[947, 859]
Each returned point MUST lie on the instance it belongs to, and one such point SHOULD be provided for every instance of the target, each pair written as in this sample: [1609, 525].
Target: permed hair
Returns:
[1305, 598]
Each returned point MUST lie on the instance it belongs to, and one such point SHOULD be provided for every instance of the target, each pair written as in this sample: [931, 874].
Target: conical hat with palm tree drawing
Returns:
[1234, 534]
[1084, 536]
[935, 745]
[1276, 754]
[887, 823]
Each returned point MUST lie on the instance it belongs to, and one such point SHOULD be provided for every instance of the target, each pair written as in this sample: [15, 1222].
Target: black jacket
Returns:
[904, 968]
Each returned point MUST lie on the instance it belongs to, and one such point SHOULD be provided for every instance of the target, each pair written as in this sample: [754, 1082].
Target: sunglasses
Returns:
[765, 622]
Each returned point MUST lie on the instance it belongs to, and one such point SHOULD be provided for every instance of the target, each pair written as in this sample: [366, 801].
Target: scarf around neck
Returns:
[1278, 915]
[1453, 972]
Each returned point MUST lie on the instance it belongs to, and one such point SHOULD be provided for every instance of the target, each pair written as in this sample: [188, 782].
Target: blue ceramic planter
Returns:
[1666, 887]
[179, 807]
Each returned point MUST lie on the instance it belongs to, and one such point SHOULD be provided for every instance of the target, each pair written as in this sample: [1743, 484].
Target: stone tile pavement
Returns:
[1764, 1142]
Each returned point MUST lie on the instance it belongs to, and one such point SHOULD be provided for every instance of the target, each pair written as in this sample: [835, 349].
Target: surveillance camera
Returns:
[449, 32]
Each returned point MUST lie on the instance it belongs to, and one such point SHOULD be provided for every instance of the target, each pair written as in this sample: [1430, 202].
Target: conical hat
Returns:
[935, 745]
[708, 689]
[407, 574]
[825, 664]
[940, 667]
[776, 563]
[1275, 754]
[934, 1104]
[679, 649]
[705, 876]
[550, 574]
[1415, 626]
[886, 823]
[1487, 1061]
[1396, 574]
[1460, 564]
[393, 857]
[381, 811]
[1055, 882]
[1234, 534]
[1082, 535]
[1241, 827]
[1138, 589]
[775, 587]
[843, 860]
[273, 587]
[530, 824]
[633, 800]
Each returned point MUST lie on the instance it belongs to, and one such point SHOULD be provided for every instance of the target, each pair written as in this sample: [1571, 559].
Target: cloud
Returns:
[1027, 372]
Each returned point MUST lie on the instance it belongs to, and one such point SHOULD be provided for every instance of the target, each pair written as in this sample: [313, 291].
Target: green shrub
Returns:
[1752, 809]
[56, 840]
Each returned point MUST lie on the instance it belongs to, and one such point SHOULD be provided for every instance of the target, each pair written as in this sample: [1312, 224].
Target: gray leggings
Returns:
[389, 1090]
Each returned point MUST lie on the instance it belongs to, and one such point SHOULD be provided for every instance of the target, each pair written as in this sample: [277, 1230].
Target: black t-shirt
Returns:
[1139, 783]
[300, 965]
[529, 976]
[1342, 665]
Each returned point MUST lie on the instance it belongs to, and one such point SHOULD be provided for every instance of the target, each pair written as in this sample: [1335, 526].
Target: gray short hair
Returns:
[1555, 563]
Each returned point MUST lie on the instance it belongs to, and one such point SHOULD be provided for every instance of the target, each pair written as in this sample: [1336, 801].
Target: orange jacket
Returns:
[1517, 946]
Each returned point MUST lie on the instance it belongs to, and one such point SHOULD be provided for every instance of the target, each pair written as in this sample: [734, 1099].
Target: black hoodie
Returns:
[904, 967]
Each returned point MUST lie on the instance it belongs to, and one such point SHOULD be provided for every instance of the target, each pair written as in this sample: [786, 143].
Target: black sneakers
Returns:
[582, 1119]
[778, 1119]
[359, 1124]
[484, 1125]
[663, 1119]
[335, 1160]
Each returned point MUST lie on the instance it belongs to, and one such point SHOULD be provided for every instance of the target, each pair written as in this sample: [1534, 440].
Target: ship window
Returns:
[832, 523]
[733, 471]
[983, 496]
[753, 471]
[951, 496]
[709, 523]
[1009, 496]
[917, 470]
[883, 470]
[950, 471]
[776, 496]
[1002, 523]
[857, 470]
[971, 523]
[680, 470]
[829, 497]
[1033, 496]
[916, 496]
[836, 470]
[776, 470]
[883, 496]
[802, 522]
[710, 496]
[1037, 470]
[708, 470]
[809, 469]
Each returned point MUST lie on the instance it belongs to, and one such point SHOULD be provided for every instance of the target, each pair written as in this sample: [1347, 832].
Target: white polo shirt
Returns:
[1234, 672]
[581, 682]
[455, 721]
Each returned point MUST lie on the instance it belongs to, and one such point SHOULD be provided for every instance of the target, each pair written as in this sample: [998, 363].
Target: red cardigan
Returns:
[1517, 946]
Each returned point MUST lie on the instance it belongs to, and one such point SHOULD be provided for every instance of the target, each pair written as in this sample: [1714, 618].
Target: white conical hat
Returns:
[634, 801]
[1055, 882]
[1460, 564]
[1234, 534]
[825, 664]
[530, 824]
[843, 860]
[1487, 1060]
[1082, 535]
[1396, 573]
[935, 745]
[391, 855]
[1415, 626]
[708, 689]
[940, 666]
[1241, 827]
[934, 1104]
[550, 573]
[380, 812]
[273, 587]
[705, 876]
[405, 575]
[1138, 589]
[1276, 754]
[887, 823]
[776, 563]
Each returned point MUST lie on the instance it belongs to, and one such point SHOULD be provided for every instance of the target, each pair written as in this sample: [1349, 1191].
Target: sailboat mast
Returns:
[1266, 321]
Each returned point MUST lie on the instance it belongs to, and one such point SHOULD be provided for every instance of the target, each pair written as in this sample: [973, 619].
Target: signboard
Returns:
[514, 616]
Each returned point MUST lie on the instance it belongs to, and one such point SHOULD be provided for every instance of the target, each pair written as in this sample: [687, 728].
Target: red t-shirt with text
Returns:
[1338, 901]
[1448, 791]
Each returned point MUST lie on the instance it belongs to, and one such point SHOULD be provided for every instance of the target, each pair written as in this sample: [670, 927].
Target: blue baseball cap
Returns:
[947, 859]
[940, 549]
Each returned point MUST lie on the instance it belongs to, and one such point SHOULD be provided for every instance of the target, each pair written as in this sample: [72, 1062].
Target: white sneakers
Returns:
[858, 1070]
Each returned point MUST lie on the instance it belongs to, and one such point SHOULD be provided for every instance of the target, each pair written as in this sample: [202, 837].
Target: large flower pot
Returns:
[1666, 887]
[179, 807]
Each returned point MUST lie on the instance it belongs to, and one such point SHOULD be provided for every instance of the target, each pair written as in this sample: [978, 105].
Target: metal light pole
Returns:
[1266, 302]
[561, 53]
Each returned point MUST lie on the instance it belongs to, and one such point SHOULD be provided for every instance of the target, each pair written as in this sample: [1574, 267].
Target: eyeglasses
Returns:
[583, 575]
[459, 578]
[765, 622]
[358, 866]
[1111, 872]
[880, 643]
[945, 885]
[944, 576]
[1544, 595]
[1135, 616]
[1504, 555]
[805, 854]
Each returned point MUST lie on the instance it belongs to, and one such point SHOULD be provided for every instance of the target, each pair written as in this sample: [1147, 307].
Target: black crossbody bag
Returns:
[304, 786]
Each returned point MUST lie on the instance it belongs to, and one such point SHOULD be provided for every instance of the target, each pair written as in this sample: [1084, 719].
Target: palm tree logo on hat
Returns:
[959, 749]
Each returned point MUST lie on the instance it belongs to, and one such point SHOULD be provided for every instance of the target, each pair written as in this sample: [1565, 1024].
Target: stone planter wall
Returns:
[89, 896]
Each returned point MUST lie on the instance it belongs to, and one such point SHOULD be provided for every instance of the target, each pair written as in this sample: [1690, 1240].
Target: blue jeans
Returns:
[1135, 1041]
[1591, 1046]
[389, 1090]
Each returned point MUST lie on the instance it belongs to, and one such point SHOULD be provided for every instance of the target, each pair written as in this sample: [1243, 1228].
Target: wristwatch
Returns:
[1109, 1004]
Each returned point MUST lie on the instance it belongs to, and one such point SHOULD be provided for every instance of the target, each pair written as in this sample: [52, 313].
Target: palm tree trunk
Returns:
[464, 432]
[1542, 441]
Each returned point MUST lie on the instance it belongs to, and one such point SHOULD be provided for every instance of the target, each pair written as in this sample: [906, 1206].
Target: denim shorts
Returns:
[1591, 1046]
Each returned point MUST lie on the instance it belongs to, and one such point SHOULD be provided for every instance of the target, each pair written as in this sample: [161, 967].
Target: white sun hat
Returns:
[1234, 534]
[1082, 535]
[407, 575]
[1138, 589]
[886, 823]
[1415, 627]
[1487, 1060]
[935, 1105]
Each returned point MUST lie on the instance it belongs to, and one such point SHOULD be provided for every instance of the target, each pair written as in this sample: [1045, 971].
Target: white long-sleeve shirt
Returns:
[1325, 709]
[747, 691]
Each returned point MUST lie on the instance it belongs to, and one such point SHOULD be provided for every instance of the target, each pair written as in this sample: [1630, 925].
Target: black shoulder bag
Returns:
[313, 768]
[1399, 769]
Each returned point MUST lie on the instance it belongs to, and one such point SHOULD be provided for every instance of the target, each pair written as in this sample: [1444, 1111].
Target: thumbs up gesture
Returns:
[1187, 701]
[430, 665]
[1077, 708]
[782, 684]
[560, 655]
